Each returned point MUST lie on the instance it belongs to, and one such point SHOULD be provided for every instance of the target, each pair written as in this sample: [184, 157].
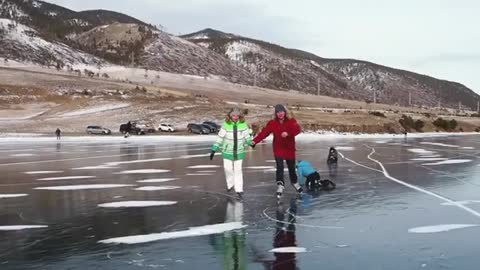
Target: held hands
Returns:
[212, 154]
[284, 134]
[252, 144]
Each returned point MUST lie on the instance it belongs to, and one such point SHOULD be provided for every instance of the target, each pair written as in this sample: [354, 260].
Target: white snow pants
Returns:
[233, 174]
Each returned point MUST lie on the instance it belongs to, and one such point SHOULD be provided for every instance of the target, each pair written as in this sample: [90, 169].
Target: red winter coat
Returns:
[282, 147]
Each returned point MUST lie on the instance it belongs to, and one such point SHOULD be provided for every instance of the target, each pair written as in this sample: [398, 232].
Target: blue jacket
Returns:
[304, 169]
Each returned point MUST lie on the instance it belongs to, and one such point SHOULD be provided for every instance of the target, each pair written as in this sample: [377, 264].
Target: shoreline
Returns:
[39, 137]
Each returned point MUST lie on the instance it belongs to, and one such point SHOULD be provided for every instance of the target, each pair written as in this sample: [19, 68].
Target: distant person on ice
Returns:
[233, 139]
[284, 130]
[58, 132]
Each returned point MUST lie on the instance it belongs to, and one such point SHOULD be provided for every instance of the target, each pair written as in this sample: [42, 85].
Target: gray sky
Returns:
[434, 37]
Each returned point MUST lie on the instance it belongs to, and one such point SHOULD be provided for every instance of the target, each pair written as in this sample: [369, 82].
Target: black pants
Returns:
[291, 171]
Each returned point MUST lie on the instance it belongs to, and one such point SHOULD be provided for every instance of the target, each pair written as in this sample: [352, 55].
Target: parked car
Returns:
[131, 127]
[213, 126]
[166, 128]
[210, 128]
[197, 129]
[98, 130]
[146, 128]
[217, 126]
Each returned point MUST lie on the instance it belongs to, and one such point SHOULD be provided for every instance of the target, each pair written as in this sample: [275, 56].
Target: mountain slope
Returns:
[54, 21]
[153, 49]
[283, 68]
[22, 43]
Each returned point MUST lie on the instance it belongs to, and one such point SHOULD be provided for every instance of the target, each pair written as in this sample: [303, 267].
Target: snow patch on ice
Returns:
[430, 156]
[468, 148]
[83, 187]
[100, 167]
[441, 144]
[428, 159]
[204, 167]
[193, 156]
[191, 232]
[136, 161]
[66, 178]
[260, 167]
[43, 172]
[467, 202]
[127, 204]
[441, 228]
[345, 148]
[199, 174]
[157, 188]
[23, 155]
[450, 161]
[7, 196]
[421, 151]
[159, 180]
[289, 250]
[144, 171]
[21, 227]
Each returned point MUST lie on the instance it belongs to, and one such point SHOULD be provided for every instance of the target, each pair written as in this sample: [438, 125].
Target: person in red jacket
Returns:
[284, 130]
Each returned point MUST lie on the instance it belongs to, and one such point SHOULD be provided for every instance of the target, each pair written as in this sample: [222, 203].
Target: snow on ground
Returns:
[315, 63]
[97, 109]
[27, 117]
[191, 232]
[136, 204]
[235, 49]
[441, 228]
[26, 37]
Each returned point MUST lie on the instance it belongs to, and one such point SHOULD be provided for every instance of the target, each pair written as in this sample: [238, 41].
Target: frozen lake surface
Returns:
[138, 204]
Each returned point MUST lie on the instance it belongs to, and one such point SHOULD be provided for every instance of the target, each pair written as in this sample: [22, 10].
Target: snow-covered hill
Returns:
[21, 42]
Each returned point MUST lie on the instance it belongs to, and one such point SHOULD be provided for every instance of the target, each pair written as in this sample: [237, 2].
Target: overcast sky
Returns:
[440, 38]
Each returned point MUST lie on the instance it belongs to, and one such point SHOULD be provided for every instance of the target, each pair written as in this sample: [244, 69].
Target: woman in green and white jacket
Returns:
[233, 140]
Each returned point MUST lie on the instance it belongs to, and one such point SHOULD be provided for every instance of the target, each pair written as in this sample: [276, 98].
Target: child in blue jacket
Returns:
[312, 177]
